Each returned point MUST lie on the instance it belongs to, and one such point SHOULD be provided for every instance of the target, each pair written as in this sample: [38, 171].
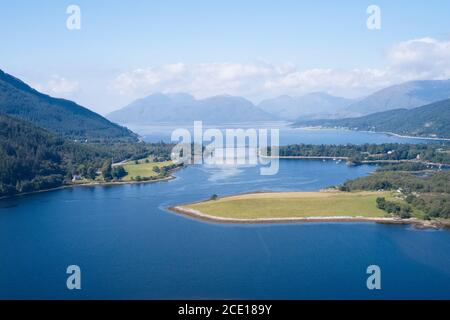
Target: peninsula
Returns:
[298, 207]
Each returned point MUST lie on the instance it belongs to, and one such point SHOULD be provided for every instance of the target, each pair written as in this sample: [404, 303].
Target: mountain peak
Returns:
[180, 96]
[184, 108]
[312, 105]
[408, 95]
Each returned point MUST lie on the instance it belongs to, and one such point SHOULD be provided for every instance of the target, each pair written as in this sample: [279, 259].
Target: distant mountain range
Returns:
[184, 108]
[317, 105]
[431, 120]
[60, 116]
[408, 95]
[320, 105]
[397, 109]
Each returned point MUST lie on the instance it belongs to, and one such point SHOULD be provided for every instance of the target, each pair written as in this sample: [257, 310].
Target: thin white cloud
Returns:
[425, 58]
[58, 86]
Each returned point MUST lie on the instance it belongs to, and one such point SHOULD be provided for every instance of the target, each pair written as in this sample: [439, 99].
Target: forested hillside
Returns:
[424, 191]
[434, 153]
[60, 116]
[428, 121]
[33, 159]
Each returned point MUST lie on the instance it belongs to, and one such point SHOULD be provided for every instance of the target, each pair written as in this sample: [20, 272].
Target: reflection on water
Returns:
[223, 172]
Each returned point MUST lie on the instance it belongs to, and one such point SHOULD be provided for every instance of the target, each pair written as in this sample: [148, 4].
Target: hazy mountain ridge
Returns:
[407, 95]
[184, 108]
[60, 116]
[310, 106]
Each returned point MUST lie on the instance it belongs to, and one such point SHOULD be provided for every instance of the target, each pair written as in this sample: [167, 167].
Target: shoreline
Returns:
[203, 217]
[95, 184]
[367, 162]
[376, 132]
[200, 216]
[410, 137]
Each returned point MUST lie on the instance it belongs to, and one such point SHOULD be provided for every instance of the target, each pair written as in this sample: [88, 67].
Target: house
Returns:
[77, 177]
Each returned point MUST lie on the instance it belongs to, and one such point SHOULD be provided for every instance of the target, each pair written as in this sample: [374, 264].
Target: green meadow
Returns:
[144, 168]
[295, 205]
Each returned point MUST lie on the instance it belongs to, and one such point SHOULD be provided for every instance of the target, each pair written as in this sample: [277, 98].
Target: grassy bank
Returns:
[145, 168]
[294, 205]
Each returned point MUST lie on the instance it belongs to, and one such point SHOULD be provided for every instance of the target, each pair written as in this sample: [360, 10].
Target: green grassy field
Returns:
[295, 205]
[143, 169]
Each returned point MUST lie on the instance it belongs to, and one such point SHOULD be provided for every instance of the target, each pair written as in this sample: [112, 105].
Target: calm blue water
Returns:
[288, 135]
[129, 247]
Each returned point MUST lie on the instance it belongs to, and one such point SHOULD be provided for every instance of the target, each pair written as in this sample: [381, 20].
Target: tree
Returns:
[106, 170]
[157, 169]
[119, 172]
[405, 213]
[91, 173]
[410, 198]
[214, 197]
[381, 203]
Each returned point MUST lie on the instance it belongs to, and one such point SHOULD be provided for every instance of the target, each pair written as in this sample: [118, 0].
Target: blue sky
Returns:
[128, 49]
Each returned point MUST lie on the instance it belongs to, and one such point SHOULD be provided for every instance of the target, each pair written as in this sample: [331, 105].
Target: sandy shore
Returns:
[419, 224]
